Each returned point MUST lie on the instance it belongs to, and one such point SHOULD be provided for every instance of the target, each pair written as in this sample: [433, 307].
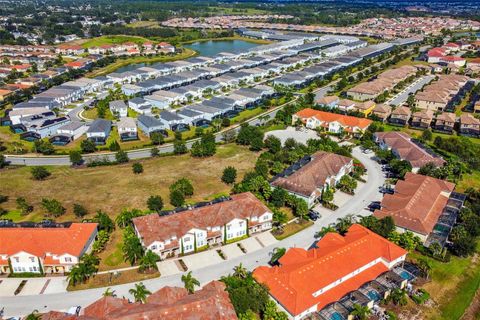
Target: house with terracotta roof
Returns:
[44, 250]
[445, 122]
[365, 107]
[400, 116]
[469, 125]
[417, 203]
[382, 111]
[404, 148]
[308, 178]
[217, 222]
[308, 281]
[346, 105]
[212, 302]
[422, 119]
[331, 122]
[328, 101]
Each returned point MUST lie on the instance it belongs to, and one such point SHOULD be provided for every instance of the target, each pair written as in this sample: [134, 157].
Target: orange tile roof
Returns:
[159, 228]
[417, 203]
[401, 143]
[348, 121]
[314, 174]
[211, 302]
[39, 241]
[302, 273]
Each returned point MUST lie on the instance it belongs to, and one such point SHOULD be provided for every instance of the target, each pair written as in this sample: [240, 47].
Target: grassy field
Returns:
[112, 39]
[113, 188]
[186, 53]
[453, 287]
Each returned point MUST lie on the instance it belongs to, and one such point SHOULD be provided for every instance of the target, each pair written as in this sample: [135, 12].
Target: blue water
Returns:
[405, 275]
[212, 48]
[336, 316]
[205, 48]
[372, 294]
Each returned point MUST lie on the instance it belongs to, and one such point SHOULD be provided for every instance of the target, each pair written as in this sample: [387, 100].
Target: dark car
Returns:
[374, 206]
[313, 215]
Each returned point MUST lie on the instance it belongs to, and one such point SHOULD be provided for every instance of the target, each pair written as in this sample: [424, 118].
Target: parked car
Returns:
[374, 206]
[313, 215]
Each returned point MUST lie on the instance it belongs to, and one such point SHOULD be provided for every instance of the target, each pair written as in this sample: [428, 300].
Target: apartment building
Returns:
[437, 95]
[213, 223]
[335, 271]
[384, 82]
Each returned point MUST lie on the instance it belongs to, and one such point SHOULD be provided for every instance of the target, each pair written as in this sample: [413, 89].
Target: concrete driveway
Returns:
[33, 286]
[301, 136]
[202, 259]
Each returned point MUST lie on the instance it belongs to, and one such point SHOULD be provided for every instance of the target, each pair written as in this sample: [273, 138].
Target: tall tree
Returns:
[190, 282]
[140, 293]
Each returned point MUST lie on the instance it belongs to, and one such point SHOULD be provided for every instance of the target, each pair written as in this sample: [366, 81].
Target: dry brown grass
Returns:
[106, 280]
[113, 188]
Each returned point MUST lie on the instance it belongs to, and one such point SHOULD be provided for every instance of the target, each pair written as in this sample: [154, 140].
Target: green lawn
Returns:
[112, 39]
[453, 286]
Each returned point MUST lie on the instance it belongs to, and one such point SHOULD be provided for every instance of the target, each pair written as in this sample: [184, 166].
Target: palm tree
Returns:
[425, 266]
[240, 271]
[33, 316]
[139, 293]
[360, 312]
[109, 293]
[344, 223]
[190, 282]
[399, 297]
[149, 261]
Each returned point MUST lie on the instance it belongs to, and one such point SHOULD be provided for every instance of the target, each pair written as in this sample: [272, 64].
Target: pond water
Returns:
[211, 48]
[205, 48]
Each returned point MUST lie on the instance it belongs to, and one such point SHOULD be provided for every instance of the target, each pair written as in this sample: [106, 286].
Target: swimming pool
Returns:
[406, 275]
[374, 295]
[336, 316]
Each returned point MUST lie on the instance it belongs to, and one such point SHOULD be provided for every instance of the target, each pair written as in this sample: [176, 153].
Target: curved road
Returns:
[21, 305]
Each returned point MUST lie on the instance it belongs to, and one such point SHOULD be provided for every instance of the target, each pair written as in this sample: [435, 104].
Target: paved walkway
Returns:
[22, 305]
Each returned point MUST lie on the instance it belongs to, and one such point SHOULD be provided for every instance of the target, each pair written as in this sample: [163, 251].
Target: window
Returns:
[68, 259]
[228, 227]
[32, 259]
[17, 259]
[154, 247]
[187, 239]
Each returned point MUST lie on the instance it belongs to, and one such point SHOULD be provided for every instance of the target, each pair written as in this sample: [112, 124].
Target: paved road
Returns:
[22, 305]
[40, 160]
[401, 97]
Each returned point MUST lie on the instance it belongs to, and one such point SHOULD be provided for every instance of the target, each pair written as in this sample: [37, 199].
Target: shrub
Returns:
[157, 138]
[24, 207]
[76, 157]
[155, 203]
[229, 175]
[40, 173]
[88, 146]
[137, 168]
[79, 210]
[177, 199]
[53, 207]
[121, 157]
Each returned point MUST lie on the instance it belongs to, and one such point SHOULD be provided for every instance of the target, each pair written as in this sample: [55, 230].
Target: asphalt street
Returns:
[401, 97]
[21, 305]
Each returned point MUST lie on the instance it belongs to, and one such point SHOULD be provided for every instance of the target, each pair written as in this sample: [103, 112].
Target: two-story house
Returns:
[216, 222]
[44, 250]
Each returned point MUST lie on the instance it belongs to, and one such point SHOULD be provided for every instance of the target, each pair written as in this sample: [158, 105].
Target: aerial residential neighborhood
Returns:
[239, 160]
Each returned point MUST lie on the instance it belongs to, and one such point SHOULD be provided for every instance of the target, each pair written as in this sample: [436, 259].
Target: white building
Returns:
[218, 222]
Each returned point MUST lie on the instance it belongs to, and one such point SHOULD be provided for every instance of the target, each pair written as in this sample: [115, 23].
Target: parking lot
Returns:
[302, 135]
